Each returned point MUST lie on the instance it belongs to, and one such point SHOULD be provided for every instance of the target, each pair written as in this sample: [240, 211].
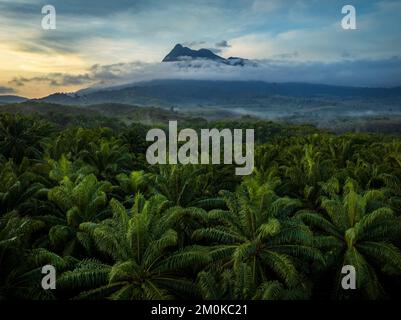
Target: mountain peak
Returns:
[180, 52]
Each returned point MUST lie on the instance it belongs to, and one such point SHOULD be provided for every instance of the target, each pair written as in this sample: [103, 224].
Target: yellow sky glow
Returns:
[18, 63]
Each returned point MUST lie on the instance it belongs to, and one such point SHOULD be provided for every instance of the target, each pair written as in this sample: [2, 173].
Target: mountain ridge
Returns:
[6, 99]
[181, 53]
[174, 91]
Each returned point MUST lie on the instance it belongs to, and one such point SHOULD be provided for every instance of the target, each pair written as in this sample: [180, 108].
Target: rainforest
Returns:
[79, 195]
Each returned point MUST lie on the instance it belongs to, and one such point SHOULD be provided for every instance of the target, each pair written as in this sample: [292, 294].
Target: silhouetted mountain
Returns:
[64, 98]
[180, 53]
[11, 99]
[204, 92]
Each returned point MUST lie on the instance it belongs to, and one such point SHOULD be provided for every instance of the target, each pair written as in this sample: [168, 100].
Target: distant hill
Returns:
[6, 99]
[45, 108]
[166, 93]
[66, 113]
[335, 116]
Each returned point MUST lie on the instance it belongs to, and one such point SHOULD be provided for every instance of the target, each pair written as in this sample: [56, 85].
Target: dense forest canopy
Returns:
[79, 195]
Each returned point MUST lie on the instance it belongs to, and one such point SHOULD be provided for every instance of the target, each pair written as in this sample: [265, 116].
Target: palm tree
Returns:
[21, 136]
[72, 141]
[304, 171]
[258, 230]
[64, 168]
[135, 138]
[131, 184]
[145, 261]
[19, 185]
[108, 159]
[24, 281]
[187, 186]
[341, 150]
[15, 234]
[357, 230]
[83, 200]
[237, 284]
[392, 177]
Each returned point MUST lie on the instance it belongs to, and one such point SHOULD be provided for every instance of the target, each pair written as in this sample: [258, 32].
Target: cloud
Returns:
[54, 80]
[286, 36]
[289, 55]
[6, 90]
[88, 8]
[223, 44]
[193, 43]
[370, 73]
[215, 50]
[154, 26]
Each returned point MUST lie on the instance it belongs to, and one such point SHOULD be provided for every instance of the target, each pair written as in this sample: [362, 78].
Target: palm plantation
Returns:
[83, 199]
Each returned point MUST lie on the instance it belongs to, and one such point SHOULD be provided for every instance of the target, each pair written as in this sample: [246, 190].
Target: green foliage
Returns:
[108, 158]
[187, 185]
[360, 232]
[77, 202]
[15, 233]
[21, 137]
[19, 185]
[143, 248]
[259, 230]
[83, 199]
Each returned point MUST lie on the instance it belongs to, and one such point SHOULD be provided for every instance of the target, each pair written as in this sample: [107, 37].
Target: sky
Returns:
[102, 42]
